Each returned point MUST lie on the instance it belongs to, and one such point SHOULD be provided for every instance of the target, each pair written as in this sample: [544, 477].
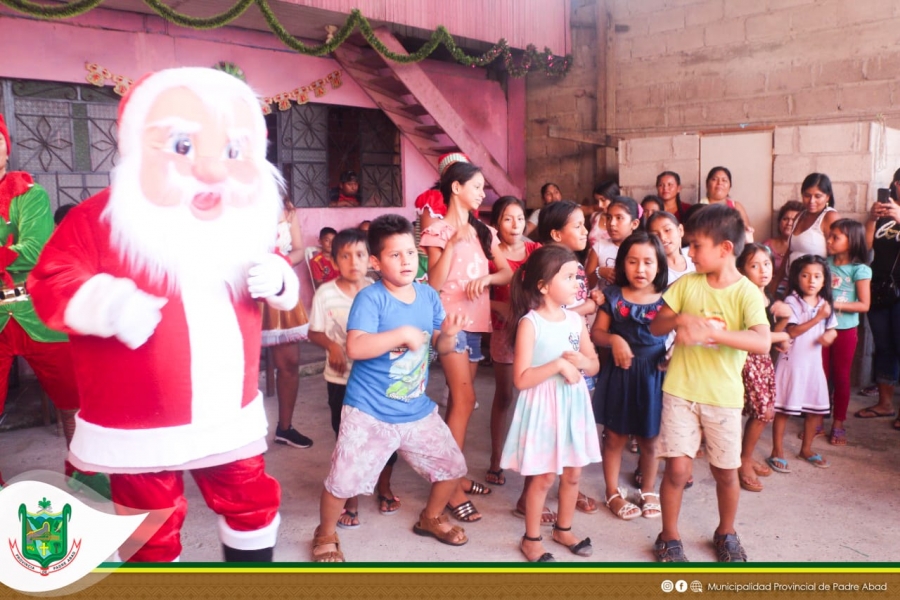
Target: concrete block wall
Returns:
[843, 151]
[566, 103]
[689, 65]
[885, 146]
[642, 159]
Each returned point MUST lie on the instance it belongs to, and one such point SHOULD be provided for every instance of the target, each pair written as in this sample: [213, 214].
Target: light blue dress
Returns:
[553, 423]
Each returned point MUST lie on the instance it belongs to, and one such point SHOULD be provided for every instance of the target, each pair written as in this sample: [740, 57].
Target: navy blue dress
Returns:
[629, 401]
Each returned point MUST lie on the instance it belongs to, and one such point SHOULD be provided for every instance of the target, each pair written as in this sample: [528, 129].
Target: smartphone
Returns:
[884, 195]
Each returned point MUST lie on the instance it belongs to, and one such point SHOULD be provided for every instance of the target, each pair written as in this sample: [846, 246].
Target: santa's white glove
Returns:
[140, 315]
[273, 279]
[108, 306]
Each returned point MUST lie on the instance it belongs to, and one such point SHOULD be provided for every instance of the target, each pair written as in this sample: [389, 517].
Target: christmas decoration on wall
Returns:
[532, 60]
[100, 76]
[301, 94]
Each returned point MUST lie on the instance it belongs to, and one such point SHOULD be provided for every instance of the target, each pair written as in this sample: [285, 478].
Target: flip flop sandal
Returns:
[816, 460]
[586, 504]
[495, 477]
[778, 464]
[464, 512]
[478, 489]
[748, 484]
[545, 521]
[869, 412]
[431, 527]
[761, 470]
[353, 516]
[390, 502]
[627, 511]
[838, 437]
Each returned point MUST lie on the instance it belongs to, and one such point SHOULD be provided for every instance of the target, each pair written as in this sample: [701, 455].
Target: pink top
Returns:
[469, 263]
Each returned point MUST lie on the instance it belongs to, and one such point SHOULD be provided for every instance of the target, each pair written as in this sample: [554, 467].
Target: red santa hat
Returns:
[5, 133]
[210, 85]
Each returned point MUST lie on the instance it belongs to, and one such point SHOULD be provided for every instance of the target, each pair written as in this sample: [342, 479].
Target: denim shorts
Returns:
[471, 342]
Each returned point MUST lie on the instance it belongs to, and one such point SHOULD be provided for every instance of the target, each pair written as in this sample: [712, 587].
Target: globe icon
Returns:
[696, 586]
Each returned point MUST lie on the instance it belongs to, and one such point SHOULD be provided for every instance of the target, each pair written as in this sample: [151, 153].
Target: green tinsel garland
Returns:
[546, 61]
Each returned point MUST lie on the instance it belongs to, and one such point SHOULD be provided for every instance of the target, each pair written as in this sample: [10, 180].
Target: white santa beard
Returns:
[169, 243]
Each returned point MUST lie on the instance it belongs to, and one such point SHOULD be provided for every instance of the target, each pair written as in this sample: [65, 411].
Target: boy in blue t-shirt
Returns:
[390, 327]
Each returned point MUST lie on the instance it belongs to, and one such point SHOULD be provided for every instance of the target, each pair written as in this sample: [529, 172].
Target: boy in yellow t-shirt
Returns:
[718, 316]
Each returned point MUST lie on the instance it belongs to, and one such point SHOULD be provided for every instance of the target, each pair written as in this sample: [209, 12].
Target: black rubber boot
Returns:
[235, 555]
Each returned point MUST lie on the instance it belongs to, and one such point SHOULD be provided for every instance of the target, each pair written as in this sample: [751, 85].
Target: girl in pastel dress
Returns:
[628, 398]
[800, 385]
[552, 431]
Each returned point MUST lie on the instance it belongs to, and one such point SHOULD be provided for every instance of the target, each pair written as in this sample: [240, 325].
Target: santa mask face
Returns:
[193, 197]
[196, 156]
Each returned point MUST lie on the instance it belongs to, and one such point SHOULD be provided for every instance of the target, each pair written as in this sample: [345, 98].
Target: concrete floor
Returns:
[847, 513]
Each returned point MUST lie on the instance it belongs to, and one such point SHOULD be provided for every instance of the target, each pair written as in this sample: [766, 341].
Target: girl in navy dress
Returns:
[628, 397]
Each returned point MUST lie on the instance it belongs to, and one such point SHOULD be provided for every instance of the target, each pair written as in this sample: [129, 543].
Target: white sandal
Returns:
[627, 511]
[647, 507]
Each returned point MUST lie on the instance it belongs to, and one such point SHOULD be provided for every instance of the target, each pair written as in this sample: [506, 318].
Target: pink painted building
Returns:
[388, 122]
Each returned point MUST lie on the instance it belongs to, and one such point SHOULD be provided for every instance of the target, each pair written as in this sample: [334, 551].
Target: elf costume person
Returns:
[26, 224]
[156, 280]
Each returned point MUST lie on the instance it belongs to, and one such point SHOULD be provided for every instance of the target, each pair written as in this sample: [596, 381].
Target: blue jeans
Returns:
[885, 324]
[468, 341]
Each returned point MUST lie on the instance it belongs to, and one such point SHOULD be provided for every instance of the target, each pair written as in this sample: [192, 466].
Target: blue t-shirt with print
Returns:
[843, 288]
[391, 387]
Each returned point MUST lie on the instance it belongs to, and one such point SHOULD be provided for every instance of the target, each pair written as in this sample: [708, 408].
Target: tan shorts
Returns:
[364, 444]
[684, 421]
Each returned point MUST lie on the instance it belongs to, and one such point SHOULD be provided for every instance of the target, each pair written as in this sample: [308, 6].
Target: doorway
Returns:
[749, 158]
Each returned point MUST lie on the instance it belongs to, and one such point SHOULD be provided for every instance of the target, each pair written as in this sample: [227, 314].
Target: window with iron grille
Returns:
[63, 134]
[315, 143]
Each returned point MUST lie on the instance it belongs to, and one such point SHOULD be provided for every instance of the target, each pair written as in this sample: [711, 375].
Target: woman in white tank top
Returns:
[812, 225]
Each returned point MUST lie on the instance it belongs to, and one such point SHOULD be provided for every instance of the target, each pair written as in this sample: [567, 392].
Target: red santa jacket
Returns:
[188, 394]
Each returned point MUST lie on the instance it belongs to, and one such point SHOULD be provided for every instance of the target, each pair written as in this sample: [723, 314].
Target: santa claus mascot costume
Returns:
[156, 280]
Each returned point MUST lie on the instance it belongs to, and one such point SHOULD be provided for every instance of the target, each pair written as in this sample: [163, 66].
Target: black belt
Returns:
[16, 294]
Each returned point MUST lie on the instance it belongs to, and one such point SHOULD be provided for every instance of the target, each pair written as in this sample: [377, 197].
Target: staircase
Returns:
[410, 99]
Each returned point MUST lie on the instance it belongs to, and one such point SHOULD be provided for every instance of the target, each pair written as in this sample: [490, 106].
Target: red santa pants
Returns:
[244, 496]
[50, 361]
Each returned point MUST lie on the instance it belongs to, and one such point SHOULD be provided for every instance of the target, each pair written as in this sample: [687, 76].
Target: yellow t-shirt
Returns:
[712, 374]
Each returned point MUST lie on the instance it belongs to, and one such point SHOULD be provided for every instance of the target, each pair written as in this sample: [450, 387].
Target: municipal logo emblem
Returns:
[45, 544]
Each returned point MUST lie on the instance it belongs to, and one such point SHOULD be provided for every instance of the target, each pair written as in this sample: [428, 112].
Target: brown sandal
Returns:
[432, 527]
[323, 540]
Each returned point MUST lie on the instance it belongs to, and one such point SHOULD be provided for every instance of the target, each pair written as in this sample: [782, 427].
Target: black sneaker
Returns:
[671, 551]
[292, 437]
[728, 548]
